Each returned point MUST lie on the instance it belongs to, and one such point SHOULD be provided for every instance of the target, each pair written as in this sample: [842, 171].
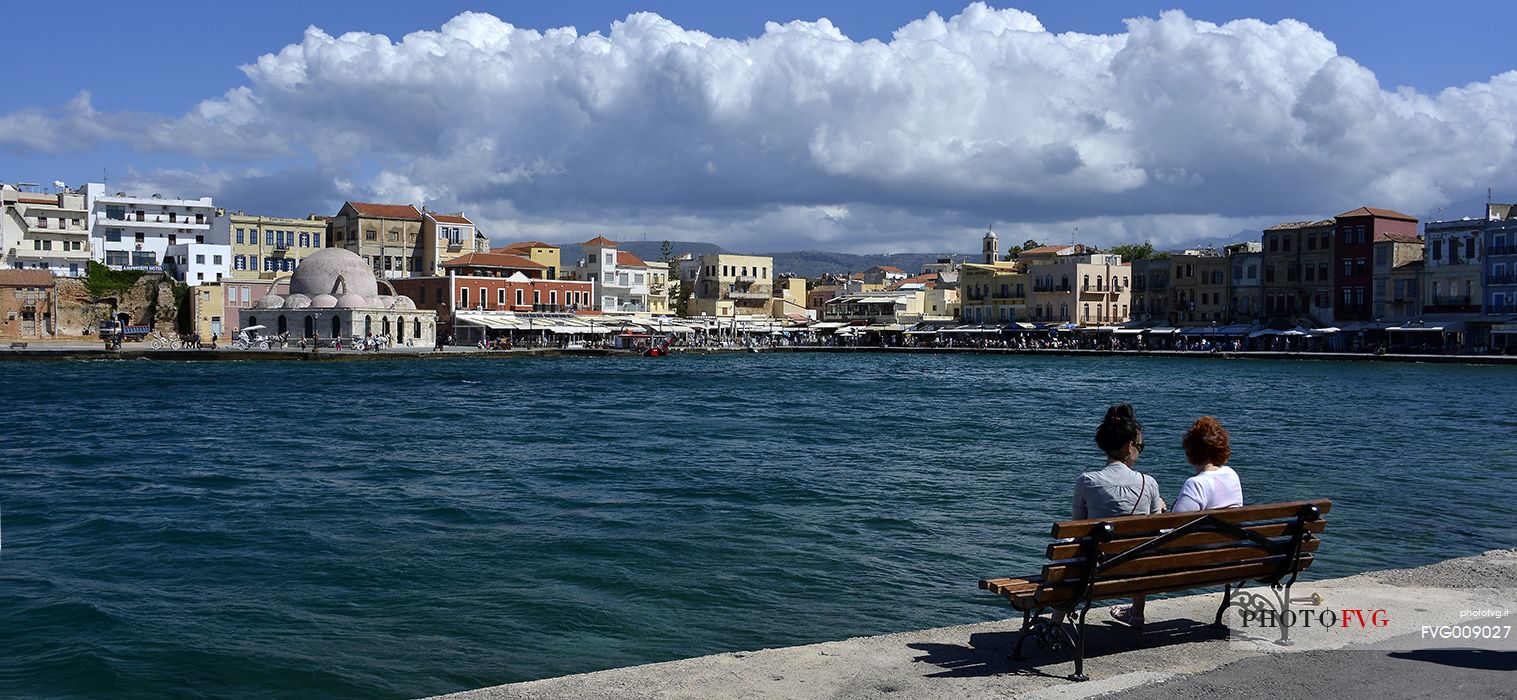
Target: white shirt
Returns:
[1210, 489]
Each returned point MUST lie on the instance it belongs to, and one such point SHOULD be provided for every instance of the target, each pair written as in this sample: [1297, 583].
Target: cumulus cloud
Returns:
[802, 135]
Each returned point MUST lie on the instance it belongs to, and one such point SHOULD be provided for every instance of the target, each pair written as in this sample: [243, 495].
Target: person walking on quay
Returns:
[1215, 484]
[1119, 489]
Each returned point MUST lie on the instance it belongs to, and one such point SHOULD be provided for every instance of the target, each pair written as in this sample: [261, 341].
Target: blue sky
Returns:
[179, 56]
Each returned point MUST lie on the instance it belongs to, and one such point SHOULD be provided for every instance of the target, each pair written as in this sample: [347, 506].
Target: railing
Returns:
[1501, 250]
[1501, 279]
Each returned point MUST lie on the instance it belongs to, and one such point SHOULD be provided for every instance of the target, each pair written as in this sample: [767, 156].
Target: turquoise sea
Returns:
[391, 529]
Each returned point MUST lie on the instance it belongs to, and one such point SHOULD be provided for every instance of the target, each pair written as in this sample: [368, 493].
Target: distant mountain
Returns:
[806, 263]
[1216, 242]
[813, 263]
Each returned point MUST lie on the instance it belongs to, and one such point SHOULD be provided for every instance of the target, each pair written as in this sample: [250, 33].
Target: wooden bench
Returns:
[1120, 557]
[18, 346]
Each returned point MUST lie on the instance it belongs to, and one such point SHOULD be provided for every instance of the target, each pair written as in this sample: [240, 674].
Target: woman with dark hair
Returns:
[1119, 489]
[1215, 484]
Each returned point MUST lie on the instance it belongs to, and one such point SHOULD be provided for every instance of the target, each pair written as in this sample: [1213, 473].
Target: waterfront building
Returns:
[817, 298]
[1355, 233]
[1500, 279]
[1398, 274]
[728, 286]
[28, 304]
[790, 299]
[1298, 272]
[658, 288]
[1089, 290]
[1150, 290]
[266, 247]
[619, 277]
[387, 236]
[446, 237]
[994, 292]
[497, 286]
[1198, 287]
[134, 232]
[902, 306]
[336, 293]
[44, 231]
[207, 309]
[545, 254]
[1454, 262]
[1244, 288]
[197, 263]
[946, 270]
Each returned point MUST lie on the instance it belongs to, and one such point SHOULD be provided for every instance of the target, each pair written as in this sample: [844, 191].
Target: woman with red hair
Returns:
[1215, 484]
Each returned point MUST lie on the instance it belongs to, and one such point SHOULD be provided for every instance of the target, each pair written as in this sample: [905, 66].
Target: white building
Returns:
[44, 231]
[198, 263]
[620, 278]
[128, 231]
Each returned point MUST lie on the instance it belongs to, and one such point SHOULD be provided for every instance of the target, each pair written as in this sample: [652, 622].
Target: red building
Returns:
[494, 282]
[1355, 233]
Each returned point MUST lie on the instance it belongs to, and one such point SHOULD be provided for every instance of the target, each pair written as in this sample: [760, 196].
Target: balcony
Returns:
[152, 221]
[1501, 279]
[747, 295]
[1501, 250]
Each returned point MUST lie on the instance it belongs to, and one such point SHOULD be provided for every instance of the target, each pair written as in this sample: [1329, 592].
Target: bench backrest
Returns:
[1144, 554]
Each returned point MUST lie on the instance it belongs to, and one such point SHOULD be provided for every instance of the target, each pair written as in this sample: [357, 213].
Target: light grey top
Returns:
[1113, 491]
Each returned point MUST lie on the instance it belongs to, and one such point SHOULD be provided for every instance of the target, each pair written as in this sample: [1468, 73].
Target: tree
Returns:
[1134, 251]
[667, 251]
[1013, 250]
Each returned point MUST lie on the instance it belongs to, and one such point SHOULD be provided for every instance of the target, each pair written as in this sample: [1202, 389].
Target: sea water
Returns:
[400, 528]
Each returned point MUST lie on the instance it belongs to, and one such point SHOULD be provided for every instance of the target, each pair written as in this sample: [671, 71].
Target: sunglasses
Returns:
[1139, 445]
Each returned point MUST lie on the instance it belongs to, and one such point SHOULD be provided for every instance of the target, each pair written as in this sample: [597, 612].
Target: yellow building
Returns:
[265, 247]
[658, 288]
[544, 254]
[994, 292]
[1089, 290]
[445, 237]
[789, 298]
[207, 304]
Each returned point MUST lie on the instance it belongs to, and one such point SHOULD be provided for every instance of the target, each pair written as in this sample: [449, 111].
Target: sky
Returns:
[846, 126]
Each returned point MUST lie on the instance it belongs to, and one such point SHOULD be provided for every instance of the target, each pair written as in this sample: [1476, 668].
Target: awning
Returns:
[827, 326]
[1129, 331]
[922, 332]
[1413, 329]
[1504, 328]
[1163, 331]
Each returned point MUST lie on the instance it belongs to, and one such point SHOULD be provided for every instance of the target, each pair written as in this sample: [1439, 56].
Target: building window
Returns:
[463, 297]
[316, 243]
[252, 262]
[521, 296]
[500, 296]
[484, 297]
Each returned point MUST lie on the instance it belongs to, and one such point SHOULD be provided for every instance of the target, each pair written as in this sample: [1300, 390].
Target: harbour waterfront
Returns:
[389, 529]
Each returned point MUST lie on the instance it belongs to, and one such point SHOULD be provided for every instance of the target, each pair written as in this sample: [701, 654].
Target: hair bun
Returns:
[1119, 412]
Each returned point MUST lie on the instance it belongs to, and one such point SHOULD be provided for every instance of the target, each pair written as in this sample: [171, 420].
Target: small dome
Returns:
[403, 304]
[270, 301]
[323, 301]
[374, 301]
[351, 301]
[297, 301]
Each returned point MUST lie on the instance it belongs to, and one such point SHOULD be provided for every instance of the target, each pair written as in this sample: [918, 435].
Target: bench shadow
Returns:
[1481, 659]
[989, 653]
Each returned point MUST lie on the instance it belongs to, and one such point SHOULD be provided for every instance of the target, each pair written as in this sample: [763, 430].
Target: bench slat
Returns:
[1166, 583]
[1167, 562]
[1139, 524]
[1072, 550]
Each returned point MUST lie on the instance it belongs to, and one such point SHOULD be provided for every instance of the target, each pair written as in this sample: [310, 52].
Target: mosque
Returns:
[333, 292]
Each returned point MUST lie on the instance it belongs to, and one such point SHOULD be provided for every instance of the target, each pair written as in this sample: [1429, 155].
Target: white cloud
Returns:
[804, 135]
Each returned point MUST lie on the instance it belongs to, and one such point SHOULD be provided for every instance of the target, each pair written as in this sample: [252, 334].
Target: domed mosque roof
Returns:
[334, 271]
[352, 301]
[403, 303]
[296, 301]
[269, 301]
[323, 301]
